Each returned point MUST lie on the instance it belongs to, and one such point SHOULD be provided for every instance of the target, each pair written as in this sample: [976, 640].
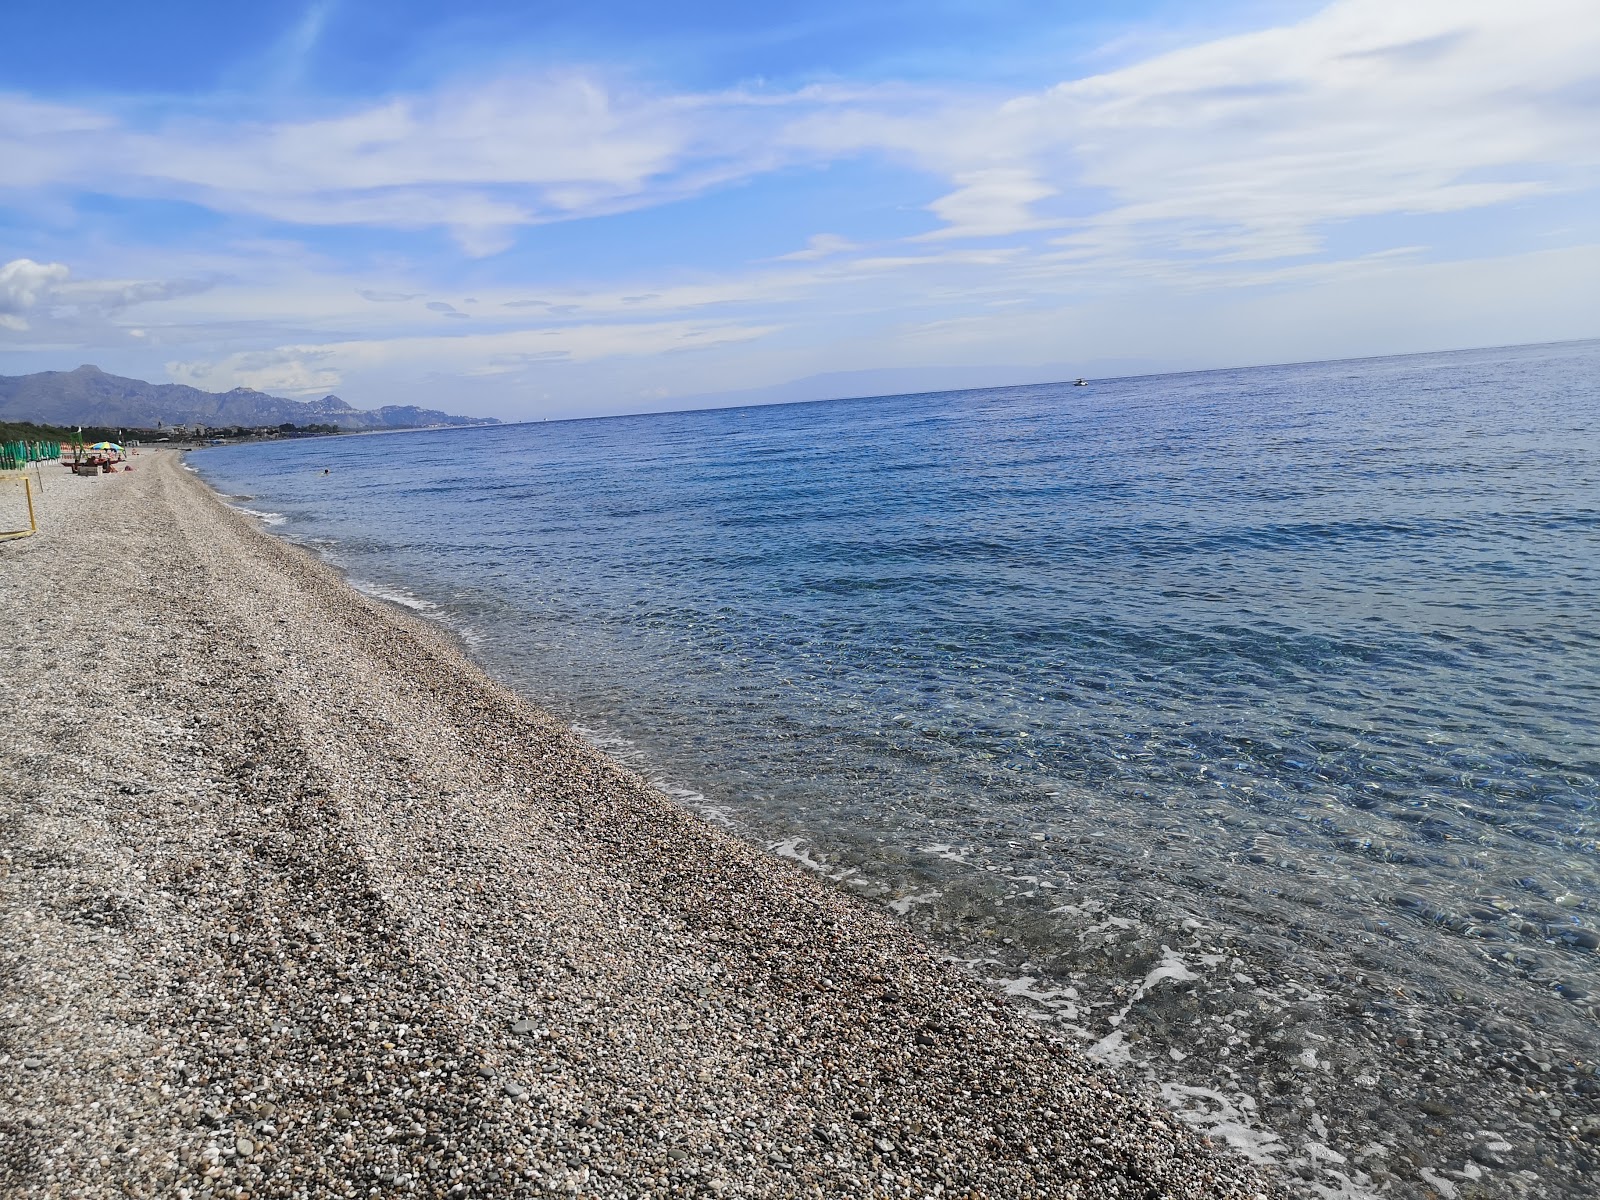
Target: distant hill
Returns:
[88, 396]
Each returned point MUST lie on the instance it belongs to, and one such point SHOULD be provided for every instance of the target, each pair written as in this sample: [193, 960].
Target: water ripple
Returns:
[1242, 723]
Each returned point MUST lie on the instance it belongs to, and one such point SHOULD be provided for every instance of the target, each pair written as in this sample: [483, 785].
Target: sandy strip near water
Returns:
[295, 901]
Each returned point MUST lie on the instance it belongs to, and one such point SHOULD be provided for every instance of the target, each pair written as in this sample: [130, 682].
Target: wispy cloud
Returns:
[1252, 144]
[820, 245]
[291, 57]
[318, 367]
[991, 202]
[1229, 164]
[1366, 107]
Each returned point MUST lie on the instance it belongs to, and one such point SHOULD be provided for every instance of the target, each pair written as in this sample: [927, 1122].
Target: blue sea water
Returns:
[1243, 724]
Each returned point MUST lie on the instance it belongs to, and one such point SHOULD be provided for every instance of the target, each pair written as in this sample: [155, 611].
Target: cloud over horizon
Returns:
[811, 212]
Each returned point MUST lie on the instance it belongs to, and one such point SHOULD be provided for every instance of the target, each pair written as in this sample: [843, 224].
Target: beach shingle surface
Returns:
[296, 902]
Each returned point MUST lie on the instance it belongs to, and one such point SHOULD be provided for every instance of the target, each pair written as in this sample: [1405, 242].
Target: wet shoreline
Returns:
[330, 909]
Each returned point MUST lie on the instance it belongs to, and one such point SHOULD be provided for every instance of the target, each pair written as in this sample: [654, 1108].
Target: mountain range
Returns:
[89, 396]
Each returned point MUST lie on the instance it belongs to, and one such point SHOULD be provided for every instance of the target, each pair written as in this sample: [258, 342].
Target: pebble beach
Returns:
[296, 902]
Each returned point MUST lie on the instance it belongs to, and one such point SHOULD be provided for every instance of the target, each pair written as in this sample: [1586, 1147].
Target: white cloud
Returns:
[1243, 145]
[294, 51]
[23, 284]
[320, 367]
[1225, 168]
[820, 245]
[479, 160]
[990, 203]
[43, 299]
[297, 370]
[1250, 144]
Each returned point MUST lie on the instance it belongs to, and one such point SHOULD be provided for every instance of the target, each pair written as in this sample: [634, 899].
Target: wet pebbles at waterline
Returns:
[295, 902]
[1239, 724]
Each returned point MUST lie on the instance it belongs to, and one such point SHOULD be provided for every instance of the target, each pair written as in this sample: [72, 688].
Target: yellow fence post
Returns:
[33, 523]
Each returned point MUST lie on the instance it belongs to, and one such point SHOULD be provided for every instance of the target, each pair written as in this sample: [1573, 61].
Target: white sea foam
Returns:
[625, 751]
[266, 518]
[699, 802]
[1230, 1119]
[794, 848]
[1062, 1001]
[906, 903]
[954, 854]
[1112, 1049]
[394, 595]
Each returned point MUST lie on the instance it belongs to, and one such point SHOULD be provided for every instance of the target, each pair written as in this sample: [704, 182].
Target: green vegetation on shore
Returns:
[29, 431]
[33, 431]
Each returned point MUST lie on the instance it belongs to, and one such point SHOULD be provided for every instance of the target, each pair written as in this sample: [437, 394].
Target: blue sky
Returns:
[534, 210]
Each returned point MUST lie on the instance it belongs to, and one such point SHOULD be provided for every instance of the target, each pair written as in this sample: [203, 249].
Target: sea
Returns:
[1242, 726]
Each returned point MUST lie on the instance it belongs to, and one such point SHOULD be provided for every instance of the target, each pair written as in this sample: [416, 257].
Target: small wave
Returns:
[394, 595]
[266, 518]
[628, 753]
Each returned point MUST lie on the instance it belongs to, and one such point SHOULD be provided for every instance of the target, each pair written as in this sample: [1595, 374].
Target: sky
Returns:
[550, 208]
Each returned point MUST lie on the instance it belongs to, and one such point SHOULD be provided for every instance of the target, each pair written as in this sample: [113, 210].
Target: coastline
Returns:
[296, 900]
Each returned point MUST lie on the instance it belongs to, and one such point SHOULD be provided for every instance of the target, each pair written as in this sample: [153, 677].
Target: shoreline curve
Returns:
[296, 901]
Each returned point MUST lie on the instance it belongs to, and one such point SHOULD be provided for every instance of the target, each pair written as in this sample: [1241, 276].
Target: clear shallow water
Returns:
[1246, 724]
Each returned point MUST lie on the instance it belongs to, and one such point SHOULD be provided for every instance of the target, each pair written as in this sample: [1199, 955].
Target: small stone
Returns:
[244, 1147]
[522, 1026]
[485, 1073]
[341, 1113]
[515, 1089]
[32, 1064]
[1484, 1156]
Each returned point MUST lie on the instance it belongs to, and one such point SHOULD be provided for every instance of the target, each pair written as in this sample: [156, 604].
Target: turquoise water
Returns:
[1243, 724]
